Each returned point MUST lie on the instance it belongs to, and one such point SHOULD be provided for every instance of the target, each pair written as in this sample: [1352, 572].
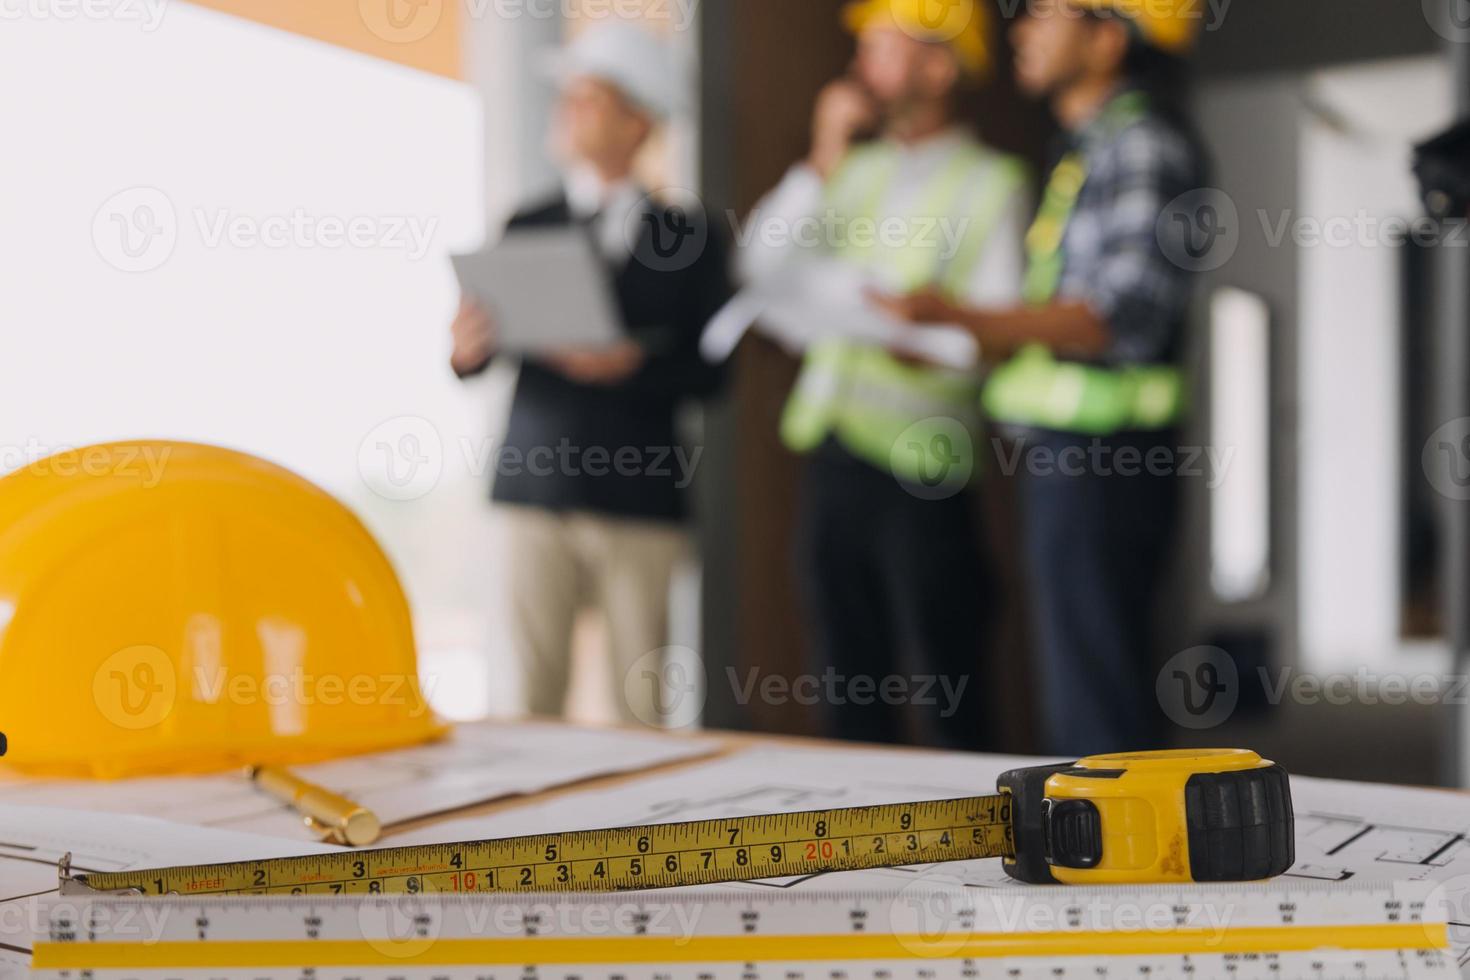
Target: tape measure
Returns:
[1162, 817]
[924, 931]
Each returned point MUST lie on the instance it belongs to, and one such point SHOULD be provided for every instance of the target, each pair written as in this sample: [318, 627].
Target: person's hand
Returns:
[844, 109]
[604, 366]
[474, 337]
[927, 306]
[924, 306]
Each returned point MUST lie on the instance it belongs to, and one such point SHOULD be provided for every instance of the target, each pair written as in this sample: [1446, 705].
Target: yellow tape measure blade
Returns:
[623, 859]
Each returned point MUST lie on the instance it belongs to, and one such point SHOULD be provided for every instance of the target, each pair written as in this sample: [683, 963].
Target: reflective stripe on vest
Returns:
[1033, 388]
[869, 400]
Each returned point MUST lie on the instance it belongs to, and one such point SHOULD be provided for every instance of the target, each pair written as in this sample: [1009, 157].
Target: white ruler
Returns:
[1277, 931]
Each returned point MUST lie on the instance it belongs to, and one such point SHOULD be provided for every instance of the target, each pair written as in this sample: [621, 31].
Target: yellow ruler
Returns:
[624, 859]
[921, 932]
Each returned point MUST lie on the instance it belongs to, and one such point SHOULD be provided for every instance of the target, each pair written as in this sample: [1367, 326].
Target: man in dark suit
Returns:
[590, 478]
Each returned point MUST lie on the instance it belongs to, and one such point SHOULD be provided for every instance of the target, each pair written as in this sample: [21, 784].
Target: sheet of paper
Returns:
[817, 299]
[34, 839]
[14, 965]
[478, 763]
[1358, 832]
[545, 288]
[1345, 831]
[758, 781]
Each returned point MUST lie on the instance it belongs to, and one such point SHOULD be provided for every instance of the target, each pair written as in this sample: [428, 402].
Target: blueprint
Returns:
[478, 763]
[1345, 831]
[33, 841]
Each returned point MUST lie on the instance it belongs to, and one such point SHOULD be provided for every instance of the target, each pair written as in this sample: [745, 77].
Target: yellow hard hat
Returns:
[963, 25]
[1170, 25]
[176, 608]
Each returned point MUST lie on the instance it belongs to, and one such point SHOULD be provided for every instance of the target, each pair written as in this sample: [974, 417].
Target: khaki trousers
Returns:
[562, 563]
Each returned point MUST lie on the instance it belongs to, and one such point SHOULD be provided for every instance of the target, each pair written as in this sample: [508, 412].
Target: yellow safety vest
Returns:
[1034, 389]
[860, 394]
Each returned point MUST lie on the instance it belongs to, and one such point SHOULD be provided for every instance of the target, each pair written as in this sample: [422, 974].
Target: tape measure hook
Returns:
[72, 884]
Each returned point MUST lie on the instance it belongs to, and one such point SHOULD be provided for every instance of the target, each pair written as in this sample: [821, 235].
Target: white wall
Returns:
[135, 136]
[298, 352]
[1355, 162]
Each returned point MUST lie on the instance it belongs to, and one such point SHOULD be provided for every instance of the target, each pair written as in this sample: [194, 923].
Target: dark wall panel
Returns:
[1272, 35]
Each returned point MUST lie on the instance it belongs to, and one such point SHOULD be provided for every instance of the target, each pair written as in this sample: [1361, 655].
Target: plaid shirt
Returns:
[1115, 257]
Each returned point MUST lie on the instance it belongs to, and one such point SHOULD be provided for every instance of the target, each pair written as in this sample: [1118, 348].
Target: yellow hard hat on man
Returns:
[965, 25]
[1169, 25]
[175, 608]
[962, 25]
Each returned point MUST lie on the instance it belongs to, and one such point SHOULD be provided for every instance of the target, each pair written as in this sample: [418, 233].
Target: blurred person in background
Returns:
[889, 554]
[1095, 373]
[605, 536]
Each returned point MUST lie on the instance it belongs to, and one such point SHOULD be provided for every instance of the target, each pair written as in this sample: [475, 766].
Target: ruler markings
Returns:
[624, 859]
[721, 949]
[459, 937]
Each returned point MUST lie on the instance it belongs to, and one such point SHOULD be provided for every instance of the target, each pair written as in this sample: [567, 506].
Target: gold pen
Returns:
[334, 817]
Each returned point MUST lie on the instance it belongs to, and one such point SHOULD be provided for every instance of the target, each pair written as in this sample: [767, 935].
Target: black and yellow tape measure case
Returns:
[1160, 818]
[1152, 817]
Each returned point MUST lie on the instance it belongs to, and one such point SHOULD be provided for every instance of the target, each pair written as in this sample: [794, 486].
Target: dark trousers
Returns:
[895, 591]
[1096, 529]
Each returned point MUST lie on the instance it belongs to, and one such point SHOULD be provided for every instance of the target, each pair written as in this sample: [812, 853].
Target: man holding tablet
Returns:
[597, 521]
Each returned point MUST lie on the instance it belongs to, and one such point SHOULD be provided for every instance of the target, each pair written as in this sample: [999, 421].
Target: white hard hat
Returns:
[641, 65]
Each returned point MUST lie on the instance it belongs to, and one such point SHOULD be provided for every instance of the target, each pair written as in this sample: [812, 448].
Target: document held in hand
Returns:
[545, 288]
[819, 299]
